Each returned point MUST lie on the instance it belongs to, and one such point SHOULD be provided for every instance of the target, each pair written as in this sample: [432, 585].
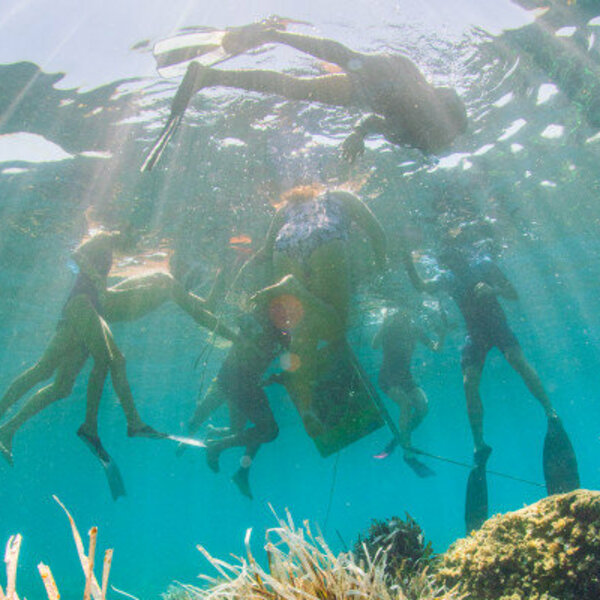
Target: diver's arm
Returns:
[367, 221]
[429, 286]
[496, 283]
[266, 252]
[434, 346]
[354, 144]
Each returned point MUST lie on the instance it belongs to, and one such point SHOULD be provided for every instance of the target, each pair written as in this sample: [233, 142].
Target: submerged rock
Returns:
[549, 550]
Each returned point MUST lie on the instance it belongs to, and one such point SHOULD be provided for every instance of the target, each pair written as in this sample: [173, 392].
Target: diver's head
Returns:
[454, 108]
[301, 193]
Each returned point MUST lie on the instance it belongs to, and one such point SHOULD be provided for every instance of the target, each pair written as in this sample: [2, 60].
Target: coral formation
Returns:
[403, 542]
[548, 550]
[301, 566]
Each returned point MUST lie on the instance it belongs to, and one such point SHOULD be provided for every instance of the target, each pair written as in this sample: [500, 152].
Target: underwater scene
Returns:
[324, 274]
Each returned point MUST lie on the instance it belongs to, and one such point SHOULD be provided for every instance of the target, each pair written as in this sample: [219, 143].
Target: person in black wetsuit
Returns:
[83, 331]
[475, 282]
[398, 338]
[406, 108]
[239, 384]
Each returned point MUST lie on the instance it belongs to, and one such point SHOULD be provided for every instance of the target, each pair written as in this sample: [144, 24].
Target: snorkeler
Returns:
[398, 337]
[239, 384]
[406, 109]
[83, 331]
[474, 282]
[307, 245]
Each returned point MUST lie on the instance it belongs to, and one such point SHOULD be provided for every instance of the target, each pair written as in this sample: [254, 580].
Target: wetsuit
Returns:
[240, 378]
[484, 317]
[398, 340]
[310, 224]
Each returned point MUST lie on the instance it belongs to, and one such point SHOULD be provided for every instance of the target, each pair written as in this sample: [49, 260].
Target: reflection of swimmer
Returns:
[407, 109]
[83, 331]
[474, 282]
[398, 337]
[307, 245]
[239, 383]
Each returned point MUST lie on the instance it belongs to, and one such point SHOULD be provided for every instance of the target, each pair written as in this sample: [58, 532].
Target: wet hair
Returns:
[300, 193]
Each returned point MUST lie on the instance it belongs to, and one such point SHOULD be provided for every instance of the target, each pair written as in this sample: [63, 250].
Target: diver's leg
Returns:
[136, 297]
[419, 405]
[266, 430]
[42, 370]
[95, 334]
[61, 387]
[519, 363]
[95, 388]
[212, 400]
[321, 48]
[263, 430]
[334, 90]
[398, 395]
[471, 381]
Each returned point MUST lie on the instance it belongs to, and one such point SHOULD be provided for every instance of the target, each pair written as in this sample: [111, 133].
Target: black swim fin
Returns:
[560, 463]
[419, 468]
[111, 470]
[161, 143]
[476, 503]
[115, 481]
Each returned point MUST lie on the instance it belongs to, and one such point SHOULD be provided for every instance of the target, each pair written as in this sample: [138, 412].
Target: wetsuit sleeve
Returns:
[370, 125]
[266, 252]
[430, 286]
[493, 276]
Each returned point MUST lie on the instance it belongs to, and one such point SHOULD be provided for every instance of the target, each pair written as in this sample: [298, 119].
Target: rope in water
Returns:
[394, 429]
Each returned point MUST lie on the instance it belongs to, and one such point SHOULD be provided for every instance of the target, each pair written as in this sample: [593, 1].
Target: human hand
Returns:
[353, 146]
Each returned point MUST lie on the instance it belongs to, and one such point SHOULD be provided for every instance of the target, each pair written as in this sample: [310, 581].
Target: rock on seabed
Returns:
[549, 550]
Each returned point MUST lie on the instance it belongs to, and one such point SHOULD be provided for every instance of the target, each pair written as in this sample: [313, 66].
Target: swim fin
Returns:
[186, 441]
[193, 51]
[476, 503]
[419, 468]
[205, 45]
[111, 470]
[389, 448]
[560, 463]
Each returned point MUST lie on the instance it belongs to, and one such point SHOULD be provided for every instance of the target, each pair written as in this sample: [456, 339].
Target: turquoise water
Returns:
[94, 123]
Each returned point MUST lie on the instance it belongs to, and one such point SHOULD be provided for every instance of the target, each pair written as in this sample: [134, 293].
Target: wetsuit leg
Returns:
[321, 48]
[519, 363]
[336, 90]
[95, 334]
[212, 400]
[472, 361]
